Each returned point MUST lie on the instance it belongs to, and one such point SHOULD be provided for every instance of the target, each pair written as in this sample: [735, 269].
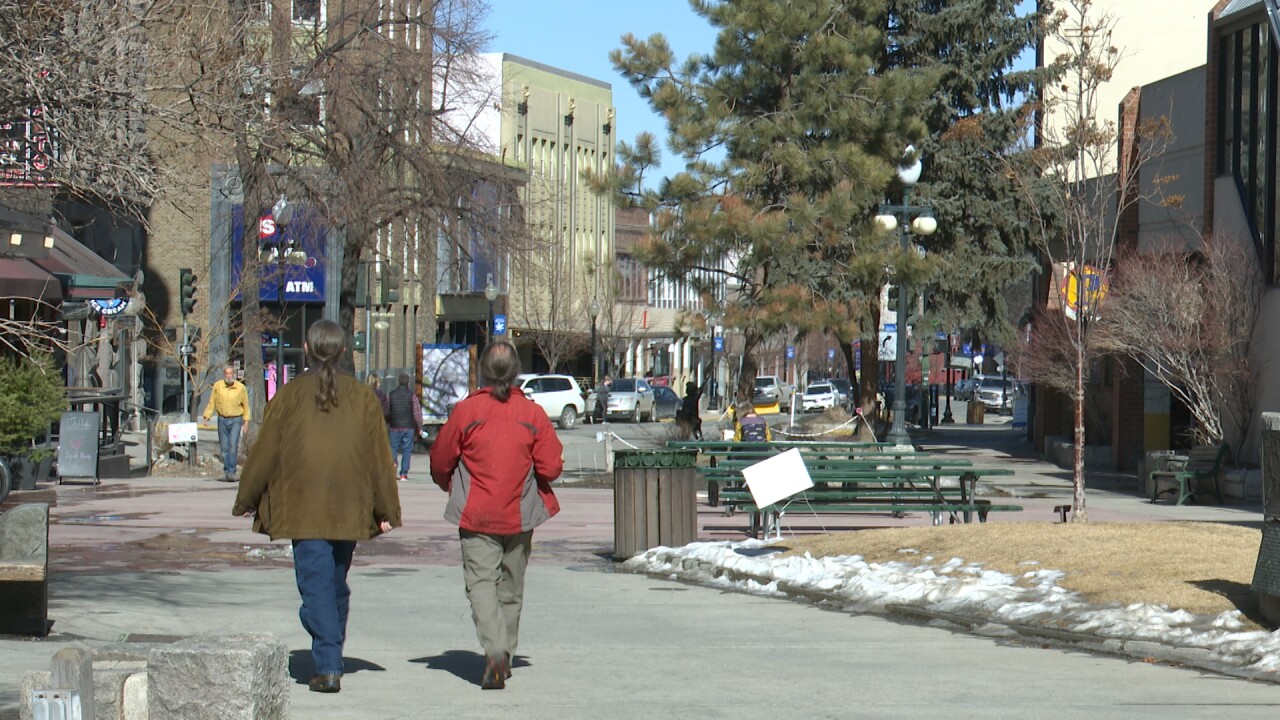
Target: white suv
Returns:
[558, 395]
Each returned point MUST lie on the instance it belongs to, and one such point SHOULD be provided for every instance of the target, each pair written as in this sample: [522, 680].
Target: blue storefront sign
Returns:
[298, 279]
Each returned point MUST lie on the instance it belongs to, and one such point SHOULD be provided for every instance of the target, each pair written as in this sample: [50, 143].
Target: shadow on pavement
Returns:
[302, 667]
[464, 664]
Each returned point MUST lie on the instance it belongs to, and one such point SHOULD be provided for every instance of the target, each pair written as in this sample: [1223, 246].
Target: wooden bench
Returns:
[851, 478]
[1185, 474]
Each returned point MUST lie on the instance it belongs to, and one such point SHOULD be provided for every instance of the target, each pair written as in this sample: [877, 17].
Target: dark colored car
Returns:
[849, 394]
[665, 402]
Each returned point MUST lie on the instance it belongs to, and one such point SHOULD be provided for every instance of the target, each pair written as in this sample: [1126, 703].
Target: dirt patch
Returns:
[1203, 568]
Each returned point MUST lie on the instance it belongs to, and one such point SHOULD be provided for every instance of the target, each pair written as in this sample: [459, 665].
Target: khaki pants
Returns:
[493, 567]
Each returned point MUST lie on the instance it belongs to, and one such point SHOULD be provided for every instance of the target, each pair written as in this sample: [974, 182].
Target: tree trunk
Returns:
[746, 386]
[1079, 513]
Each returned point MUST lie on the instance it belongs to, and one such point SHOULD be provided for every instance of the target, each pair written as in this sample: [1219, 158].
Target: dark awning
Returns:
[84, 274]
[23, 279]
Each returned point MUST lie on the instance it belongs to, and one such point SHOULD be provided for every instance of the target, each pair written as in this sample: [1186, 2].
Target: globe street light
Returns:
[490, 294]
[594, 311]
[920, 218]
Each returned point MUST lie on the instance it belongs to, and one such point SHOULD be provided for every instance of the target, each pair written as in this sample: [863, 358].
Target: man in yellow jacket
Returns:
[231, 401]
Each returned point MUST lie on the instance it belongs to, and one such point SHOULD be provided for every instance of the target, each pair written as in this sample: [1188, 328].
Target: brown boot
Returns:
[495, 674]
[325, 683]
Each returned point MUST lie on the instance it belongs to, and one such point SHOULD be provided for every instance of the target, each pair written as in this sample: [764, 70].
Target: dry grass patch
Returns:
[1203, 568]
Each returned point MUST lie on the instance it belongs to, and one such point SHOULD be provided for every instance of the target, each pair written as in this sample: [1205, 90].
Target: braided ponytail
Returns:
[325, 343]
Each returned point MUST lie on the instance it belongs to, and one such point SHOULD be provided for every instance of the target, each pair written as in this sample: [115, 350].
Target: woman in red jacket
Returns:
[496, 457]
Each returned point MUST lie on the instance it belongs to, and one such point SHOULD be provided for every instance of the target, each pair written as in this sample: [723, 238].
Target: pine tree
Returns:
[791, 131]
[984, 244]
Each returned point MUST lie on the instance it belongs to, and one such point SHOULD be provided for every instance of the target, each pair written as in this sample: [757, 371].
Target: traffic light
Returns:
[359, 343]
[892, 305]
[390, 284]
[362, 286]
[187, 291]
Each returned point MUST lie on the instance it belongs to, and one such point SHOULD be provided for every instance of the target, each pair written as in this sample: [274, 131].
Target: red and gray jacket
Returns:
[497, 460]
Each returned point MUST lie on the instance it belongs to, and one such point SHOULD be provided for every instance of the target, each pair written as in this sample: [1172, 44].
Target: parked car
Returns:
[558, 395]
[963, 389]
[770, 389]
[665, 402]
[847, 395]
[911, 398]
[994, 391]
[817, 397]
[631, 399]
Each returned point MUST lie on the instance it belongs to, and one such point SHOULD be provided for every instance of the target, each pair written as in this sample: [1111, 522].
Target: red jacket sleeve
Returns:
[446, 451]
[548, 452]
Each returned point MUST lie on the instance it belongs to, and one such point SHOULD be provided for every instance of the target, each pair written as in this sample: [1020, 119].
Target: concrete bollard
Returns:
[198, 678]
[223, 677]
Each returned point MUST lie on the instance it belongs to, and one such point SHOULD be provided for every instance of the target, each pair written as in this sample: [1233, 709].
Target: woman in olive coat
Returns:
[321, 474]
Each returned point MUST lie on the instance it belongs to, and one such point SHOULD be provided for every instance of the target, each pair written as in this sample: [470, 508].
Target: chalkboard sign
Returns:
[78, 445]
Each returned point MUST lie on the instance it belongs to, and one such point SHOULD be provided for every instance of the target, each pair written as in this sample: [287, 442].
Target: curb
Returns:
[1124, 647]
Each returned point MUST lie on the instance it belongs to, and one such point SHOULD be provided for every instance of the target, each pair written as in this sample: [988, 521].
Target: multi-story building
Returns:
[1220, 98]
[558, 127]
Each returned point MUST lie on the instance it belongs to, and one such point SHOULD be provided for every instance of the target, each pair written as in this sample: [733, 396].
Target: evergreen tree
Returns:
[790, 129]
[984, 244]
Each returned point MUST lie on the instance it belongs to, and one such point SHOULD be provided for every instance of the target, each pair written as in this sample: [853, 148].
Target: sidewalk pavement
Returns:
[163, 556]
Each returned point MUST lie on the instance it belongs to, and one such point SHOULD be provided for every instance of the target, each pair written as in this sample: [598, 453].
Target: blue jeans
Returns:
[321, 569]
[229, 441]
[402, 448]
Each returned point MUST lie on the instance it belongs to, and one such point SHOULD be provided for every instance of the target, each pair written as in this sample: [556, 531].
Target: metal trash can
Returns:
[654, 500]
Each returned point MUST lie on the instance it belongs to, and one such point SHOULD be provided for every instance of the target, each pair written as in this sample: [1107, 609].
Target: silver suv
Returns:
[558, 395]
[770, 390]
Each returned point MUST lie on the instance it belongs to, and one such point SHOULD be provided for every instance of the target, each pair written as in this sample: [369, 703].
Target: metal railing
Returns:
[149, 416]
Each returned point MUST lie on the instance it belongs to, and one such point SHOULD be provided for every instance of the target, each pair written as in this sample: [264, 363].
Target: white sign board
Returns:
[182, 433]
[445, 379]
[777, 478]
[888, 346]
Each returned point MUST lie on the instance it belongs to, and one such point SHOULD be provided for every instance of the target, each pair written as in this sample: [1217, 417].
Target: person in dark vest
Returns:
[601, 412]
[404, 421]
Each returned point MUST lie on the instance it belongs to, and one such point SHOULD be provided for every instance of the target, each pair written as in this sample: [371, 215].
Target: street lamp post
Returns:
[490, 294]
[283, 254]
[594, 311]
[889, 218]
[947, 418]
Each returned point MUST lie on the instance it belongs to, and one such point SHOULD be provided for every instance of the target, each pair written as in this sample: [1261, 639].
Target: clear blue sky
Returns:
[577, 35]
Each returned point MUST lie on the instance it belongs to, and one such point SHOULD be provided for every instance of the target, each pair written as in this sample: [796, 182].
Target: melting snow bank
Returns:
[985, 601]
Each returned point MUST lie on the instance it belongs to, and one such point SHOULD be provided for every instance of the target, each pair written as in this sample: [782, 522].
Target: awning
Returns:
[84, 274]
[23, 279]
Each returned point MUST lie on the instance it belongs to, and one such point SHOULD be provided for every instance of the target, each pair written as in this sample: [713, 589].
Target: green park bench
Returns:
[1187, 474]
[850, 478]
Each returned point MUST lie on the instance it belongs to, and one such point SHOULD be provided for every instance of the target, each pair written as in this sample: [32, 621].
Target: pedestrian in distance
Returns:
[601, 412]
[230, 401]
[321, 475]
[496, 456]
[750, 427]
[404, 418]
[375, 383]
[688, 416]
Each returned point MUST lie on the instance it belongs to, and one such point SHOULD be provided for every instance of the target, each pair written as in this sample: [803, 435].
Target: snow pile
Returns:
[960, 588]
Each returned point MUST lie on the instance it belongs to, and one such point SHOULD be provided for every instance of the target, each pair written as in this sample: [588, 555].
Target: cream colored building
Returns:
[558, 126]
